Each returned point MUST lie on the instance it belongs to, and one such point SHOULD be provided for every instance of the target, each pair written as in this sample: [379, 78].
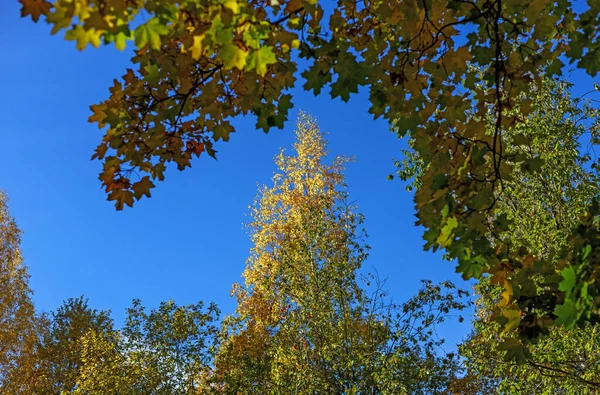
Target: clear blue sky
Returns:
[186, 242]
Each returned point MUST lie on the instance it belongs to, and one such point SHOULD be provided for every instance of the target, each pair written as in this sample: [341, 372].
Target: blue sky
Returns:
[187, 242]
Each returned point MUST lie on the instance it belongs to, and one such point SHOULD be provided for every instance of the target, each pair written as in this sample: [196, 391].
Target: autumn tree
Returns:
[542, 206]
[17, 316]
[303, 323]
[59, 349]
[199, 65]
[164, 351]
[565, 361]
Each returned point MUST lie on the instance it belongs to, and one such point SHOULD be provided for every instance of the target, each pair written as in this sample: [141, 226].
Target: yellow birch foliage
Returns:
[303, 324]
[297, 322]
[17, 319]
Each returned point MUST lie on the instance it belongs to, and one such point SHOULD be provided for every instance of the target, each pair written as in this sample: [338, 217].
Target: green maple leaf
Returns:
[566, 313]
[153, 73]
[233, 56]
[513, 318]
[350, 76]
[219, 33]
[569, 279]
[471, 268]
[222, 131]
[83, 37]
[315, 78]
[253, 37]
[120, 38]
[149, 33]
[259, 60]
[445, 237]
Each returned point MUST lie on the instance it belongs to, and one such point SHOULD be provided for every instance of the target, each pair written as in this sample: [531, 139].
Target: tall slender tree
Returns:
[17, 315]
[303, 323]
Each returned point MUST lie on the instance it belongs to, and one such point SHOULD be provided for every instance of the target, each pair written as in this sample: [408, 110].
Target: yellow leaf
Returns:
[232, 5]
[197, 47]
[233, 56]
[514, 319]
[84, 36]
[507, 295]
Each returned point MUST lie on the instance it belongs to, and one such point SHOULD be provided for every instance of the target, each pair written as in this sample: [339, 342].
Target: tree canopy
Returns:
[304, 323]
[542, 207]
[17, 314]
[199, 64]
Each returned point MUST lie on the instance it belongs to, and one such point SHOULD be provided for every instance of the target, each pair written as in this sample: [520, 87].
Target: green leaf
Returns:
[586, 253]
[153, 73]
[316, 78]
[120, 38]
[222, 131]
[149, 33]
[533, 165]
[142, 187]
[445, 237]
[471, 268]
[350, 76]
[569, 279]
[233, 56]
[513, 319]
[566, 313]
[83, 37]
[259, 60]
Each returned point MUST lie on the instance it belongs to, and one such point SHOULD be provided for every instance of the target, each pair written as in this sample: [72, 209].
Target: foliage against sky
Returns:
[563, 131]
[543, 206]
[17, 315]
[199, 64]
[303, 321]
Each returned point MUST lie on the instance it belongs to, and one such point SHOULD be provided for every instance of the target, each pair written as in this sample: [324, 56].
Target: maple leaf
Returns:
[445, 237]
[567, 313]
[569, 280]
[259, 59]
[513, 319]
[222, 131]
[142, 187]
[84, 37]
[35, 8]
[316, 78]
[233, 56]
[121, 197]
[149, 33]
[99, 115]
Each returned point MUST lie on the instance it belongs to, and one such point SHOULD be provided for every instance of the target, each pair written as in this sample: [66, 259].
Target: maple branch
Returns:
[193, 89]
[286, 17]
